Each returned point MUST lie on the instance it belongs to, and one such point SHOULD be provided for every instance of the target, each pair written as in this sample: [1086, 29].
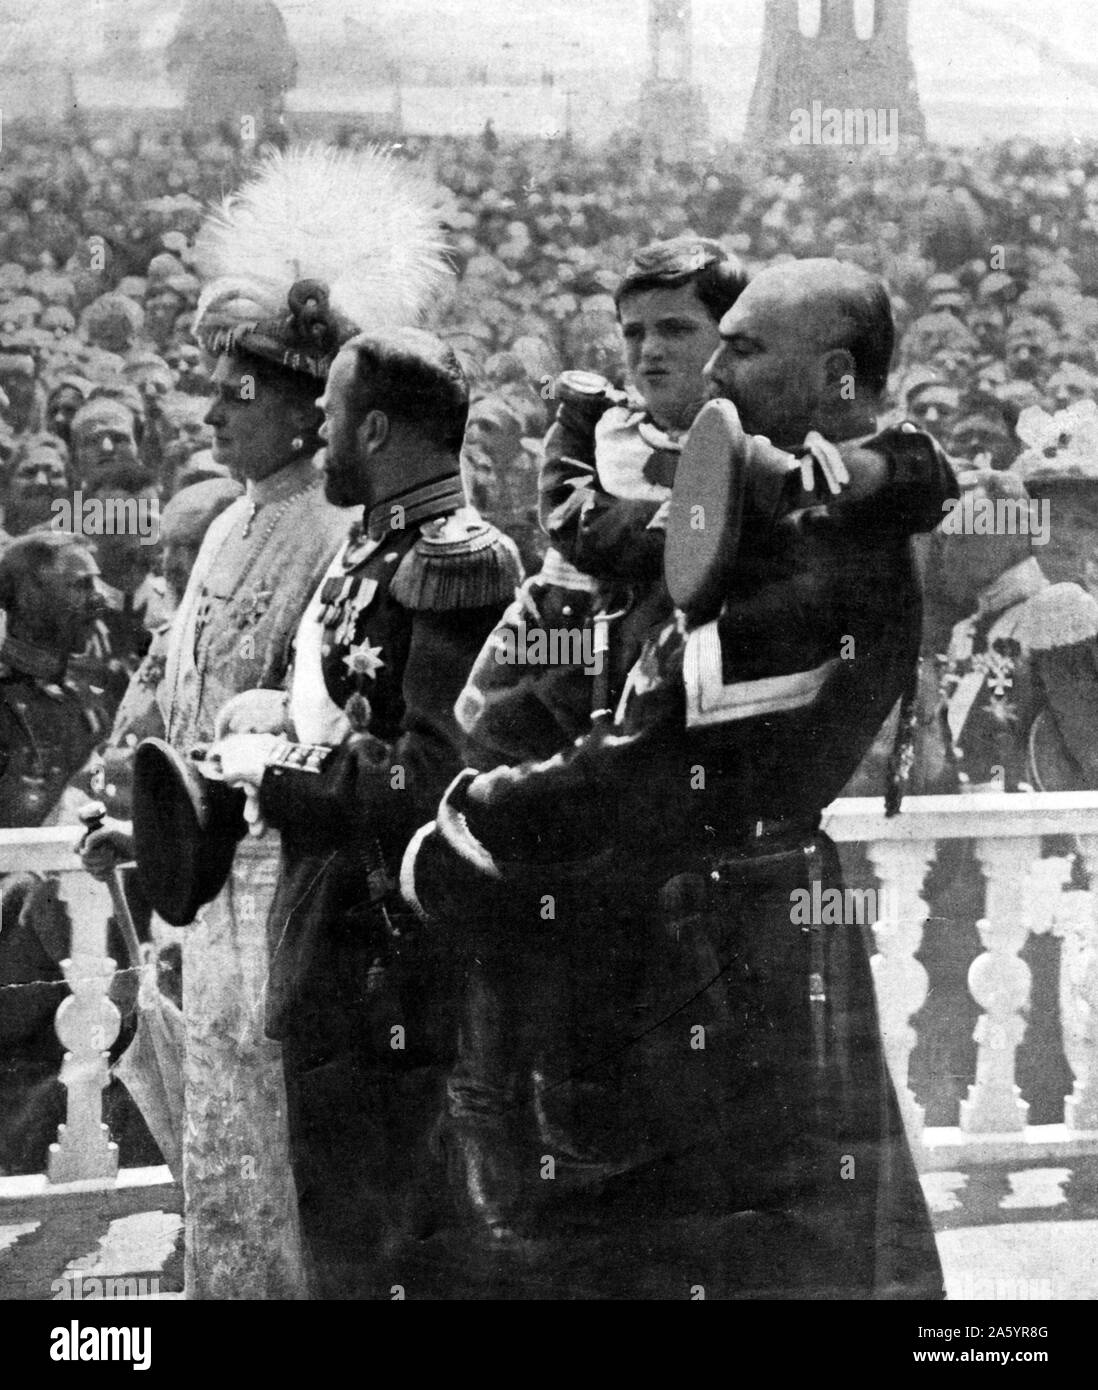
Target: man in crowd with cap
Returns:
[982, 438]
[113, 323]
[167, 294]
[50, 719]
[726, 1062]
[933, 405]
[108, 774]
[66, 396]
[20, 386]
[106, 433]
[117, 506]
[1029, 341]
[36, 477]
[363, 1008]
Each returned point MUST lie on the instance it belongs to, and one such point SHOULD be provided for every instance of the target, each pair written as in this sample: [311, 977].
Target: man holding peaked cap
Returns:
[362, 1006]
[317, 244]
[729, 1054]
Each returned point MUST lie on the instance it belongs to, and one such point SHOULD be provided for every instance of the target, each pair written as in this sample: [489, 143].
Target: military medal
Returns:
[343, 601]
[364, 660]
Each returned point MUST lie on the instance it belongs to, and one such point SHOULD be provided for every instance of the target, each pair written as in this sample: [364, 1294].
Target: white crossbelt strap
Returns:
[710, 701]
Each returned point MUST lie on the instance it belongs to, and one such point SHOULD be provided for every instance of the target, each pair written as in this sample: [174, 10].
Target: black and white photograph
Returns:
[549, 660]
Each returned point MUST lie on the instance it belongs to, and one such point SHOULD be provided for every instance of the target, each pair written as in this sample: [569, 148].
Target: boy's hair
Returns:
[719, 278]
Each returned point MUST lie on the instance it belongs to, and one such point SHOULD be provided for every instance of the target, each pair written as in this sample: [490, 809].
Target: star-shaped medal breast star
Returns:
[364, 660]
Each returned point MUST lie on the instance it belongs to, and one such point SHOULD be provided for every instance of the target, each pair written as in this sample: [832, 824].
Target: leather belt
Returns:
[763, 843]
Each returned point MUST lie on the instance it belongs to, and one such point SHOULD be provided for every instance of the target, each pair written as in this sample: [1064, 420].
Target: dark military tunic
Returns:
[360, 1004]
[123, 637]
[727, 1117]
[47, 730]
[107, 776]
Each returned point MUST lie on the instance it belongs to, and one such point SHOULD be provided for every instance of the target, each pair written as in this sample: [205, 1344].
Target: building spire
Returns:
[834, 68]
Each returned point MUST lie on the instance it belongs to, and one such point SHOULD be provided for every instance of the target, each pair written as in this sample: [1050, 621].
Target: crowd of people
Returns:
[988, 256]
[121, 390]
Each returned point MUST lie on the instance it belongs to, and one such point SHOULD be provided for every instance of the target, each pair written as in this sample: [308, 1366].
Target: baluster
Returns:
[900, 979]
[1000, 982]
[87, 1023]
[1081, 1107]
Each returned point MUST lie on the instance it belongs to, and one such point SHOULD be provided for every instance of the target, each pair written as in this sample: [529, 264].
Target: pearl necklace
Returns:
[204, 614]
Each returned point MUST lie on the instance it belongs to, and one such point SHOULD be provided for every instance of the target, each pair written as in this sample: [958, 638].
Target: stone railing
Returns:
[87, 1020]
[1024, 893]
[75, 1220]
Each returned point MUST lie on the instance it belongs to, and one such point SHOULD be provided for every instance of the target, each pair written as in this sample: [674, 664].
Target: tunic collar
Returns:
[33, 661]
[420, 503]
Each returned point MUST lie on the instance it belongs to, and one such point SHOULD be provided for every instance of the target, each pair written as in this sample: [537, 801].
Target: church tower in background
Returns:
[844, 54]
[672, 113]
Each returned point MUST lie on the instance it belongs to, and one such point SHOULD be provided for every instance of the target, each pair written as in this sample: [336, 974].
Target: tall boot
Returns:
[481, 1160]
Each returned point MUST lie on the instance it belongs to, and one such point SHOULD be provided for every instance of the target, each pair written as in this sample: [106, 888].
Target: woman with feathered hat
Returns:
[317, 246]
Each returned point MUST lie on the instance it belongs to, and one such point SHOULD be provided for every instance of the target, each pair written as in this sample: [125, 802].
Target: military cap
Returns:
[186, 829]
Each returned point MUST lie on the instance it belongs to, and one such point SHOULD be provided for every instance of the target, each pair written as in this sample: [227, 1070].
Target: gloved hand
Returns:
[104, 849]
[241, 760]
[253, 712]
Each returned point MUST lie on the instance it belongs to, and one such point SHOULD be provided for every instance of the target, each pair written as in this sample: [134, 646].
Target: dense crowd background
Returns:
[991, 257]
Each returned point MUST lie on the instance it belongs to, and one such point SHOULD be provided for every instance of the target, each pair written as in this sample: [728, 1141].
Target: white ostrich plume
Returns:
[362, 221]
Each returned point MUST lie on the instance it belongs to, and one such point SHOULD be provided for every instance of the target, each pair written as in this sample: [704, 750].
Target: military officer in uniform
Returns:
[1016, 710]
[362, 1007]
[49, 721]
[283, 295]
[108, 774]
[725, 1059]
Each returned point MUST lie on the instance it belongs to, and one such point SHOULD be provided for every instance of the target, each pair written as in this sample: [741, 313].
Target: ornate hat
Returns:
[321, 244]
[185, 831]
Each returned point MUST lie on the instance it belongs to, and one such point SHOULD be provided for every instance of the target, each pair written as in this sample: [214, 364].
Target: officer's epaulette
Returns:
[1059, 616]
[458, 561]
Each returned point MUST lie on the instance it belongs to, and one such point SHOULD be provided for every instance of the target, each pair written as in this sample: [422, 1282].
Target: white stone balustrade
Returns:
[900, 980]
[87, 1020]
[1024, 893]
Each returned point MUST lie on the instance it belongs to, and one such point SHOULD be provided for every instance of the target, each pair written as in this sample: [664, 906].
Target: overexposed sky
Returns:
[1036, 60]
